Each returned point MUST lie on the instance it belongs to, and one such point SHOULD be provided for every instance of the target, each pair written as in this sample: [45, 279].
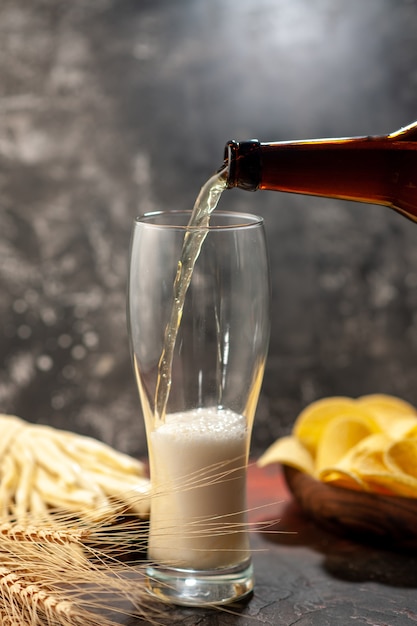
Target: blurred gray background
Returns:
[112, 108]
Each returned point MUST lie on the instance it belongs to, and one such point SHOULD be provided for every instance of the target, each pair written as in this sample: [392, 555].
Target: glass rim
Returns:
[240, 220]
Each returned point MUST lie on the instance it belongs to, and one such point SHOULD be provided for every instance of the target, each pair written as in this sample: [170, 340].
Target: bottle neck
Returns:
[243, 162]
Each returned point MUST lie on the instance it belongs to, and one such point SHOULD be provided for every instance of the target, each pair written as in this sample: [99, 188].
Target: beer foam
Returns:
[211, 423]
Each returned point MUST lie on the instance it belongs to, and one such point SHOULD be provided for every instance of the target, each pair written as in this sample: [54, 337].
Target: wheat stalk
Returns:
[25, 599]
[18, 532]
[31, 591]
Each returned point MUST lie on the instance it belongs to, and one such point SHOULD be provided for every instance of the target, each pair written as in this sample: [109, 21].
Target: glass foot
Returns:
[190, 587]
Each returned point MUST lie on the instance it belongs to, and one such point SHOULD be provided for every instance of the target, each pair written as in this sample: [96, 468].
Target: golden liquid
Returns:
[197, 230]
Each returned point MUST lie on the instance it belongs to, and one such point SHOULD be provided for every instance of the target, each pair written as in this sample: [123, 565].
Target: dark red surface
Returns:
[266, 486]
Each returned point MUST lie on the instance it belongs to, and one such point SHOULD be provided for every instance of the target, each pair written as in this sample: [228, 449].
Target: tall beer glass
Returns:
[199, 379]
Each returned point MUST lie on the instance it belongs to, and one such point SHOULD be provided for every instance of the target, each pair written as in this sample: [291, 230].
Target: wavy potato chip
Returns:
[367, 462]
[387, 409]
[365, 456]
[411, 433]
[343, 478]
[402, 427]
[288, 451]
[340, 436]
[387, 403]
[312, 421]
[371, 447]
[401, 456]
[392, 484]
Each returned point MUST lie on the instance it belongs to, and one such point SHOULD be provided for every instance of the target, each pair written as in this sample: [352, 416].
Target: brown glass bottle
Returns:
[376, 169]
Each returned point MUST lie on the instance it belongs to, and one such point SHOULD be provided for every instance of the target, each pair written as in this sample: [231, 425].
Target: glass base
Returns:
[189, 587]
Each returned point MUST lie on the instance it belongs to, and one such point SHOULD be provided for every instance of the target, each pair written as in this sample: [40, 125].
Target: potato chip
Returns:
[411, 433]
[387, 409]
[363, 458]
[288, 451]
[367, 461]
[341, 435]
[402, 427]
[392, 484]
[311, 422]
[401, 456]
[367, 454]
[387, 402]
[343, 478]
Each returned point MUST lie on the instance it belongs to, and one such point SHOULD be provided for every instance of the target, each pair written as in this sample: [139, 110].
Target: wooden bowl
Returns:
[387, 520]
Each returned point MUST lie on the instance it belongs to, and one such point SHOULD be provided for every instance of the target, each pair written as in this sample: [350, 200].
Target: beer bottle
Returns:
[374, 169]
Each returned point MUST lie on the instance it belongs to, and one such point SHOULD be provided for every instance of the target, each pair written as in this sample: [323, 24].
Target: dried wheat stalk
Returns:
[43, 582]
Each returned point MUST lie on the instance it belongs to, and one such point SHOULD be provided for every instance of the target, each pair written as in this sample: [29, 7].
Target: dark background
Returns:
[112, 108]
